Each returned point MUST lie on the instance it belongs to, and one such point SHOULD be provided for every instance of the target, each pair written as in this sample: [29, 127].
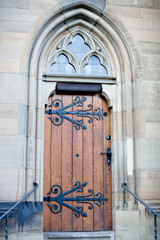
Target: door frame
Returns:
[126, 64]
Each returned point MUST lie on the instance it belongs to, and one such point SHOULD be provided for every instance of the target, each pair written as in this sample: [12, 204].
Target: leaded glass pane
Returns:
[62, 65]
[94, 67]
[78, 47]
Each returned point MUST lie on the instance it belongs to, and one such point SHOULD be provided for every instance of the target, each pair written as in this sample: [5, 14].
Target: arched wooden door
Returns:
[74, 165]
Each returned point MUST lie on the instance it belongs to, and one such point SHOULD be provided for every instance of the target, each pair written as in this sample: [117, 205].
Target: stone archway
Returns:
[125, 61]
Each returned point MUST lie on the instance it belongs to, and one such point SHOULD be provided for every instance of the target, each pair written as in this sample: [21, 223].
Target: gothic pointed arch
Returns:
[110, 43]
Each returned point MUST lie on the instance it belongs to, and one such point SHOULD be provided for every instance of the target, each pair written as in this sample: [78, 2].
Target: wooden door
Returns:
[73, 161]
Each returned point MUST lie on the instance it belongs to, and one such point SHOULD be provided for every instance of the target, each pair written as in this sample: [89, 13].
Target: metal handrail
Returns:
[6, 214]
[149, 208]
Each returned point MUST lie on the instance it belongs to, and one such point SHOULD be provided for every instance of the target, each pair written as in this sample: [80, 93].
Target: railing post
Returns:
[155, 227]
[148, 207]
[6, 228]
[6, 214]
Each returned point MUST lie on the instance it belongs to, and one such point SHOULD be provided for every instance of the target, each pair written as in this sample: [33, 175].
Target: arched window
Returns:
[94, 67]
[78, 47]
[79, 53]
[62, 65]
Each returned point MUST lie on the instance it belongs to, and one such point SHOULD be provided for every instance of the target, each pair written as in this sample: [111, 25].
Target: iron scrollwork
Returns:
[60, 199]
[62, 113]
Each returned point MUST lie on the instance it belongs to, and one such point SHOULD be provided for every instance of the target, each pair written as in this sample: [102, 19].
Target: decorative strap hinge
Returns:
[62, 113]
[60, 199]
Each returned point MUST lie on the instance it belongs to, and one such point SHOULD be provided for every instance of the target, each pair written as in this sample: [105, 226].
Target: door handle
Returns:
[108, 153]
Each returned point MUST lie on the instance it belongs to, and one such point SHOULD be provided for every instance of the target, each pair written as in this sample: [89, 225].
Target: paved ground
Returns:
[24, 236]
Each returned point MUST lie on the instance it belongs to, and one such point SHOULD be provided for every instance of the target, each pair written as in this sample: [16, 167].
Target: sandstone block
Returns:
[127, 225]
[13, 38]
[156, 24]
[9, 110]
[147, 153]
[145, 94]
[12, 149]
[17, 14]
[150, 61]
[151, 74]
[149, 181]
[139, 123]
[15, 3]
[8, 126]
[10, 52]
[151, 13]
[126, 11]
[138, 23]
[152, 115]
[0, 30]
[9, 65]
[13, 88]
[41, 4]
[158, 88]
[153, 130]
[11, 184]
[147, 36]
[139, 3]
[149, 48]
[16, 26]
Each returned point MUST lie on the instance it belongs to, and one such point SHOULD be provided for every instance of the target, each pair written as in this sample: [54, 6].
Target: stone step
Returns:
[106, 235]
[101, 235]
[4, 207]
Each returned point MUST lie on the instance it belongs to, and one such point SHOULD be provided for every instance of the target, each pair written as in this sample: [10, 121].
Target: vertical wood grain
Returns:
[98, 165]
[46, 179]
[87, 166]
[56, 165]
[77, 165]
[67, 168]
[107, 170]
[63, 167]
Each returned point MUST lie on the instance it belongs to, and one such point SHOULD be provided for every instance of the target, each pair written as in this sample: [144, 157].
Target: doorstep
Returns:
[101, 235]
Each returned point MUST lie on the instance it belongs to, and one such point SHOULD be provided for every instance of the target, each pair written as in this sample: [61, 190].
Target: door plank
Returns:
[87, 166]
[56, 165]
[77, 165]
[67, 169]
[98, 165]
[107, 171]
[46, 180]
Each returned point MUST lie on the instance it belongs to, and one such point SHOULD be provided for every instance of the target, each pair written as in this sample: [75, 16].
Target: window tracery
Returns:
[79, 53]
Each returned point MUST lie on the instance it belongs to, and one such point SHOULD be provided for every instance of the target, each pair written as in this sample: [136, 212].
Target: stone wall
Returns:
[135, 104]
[143, 21]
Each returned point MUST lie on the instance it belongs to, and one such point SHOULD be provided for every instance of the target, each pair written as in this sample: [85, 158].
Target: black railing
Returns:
[149, 208]
[6, 214]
